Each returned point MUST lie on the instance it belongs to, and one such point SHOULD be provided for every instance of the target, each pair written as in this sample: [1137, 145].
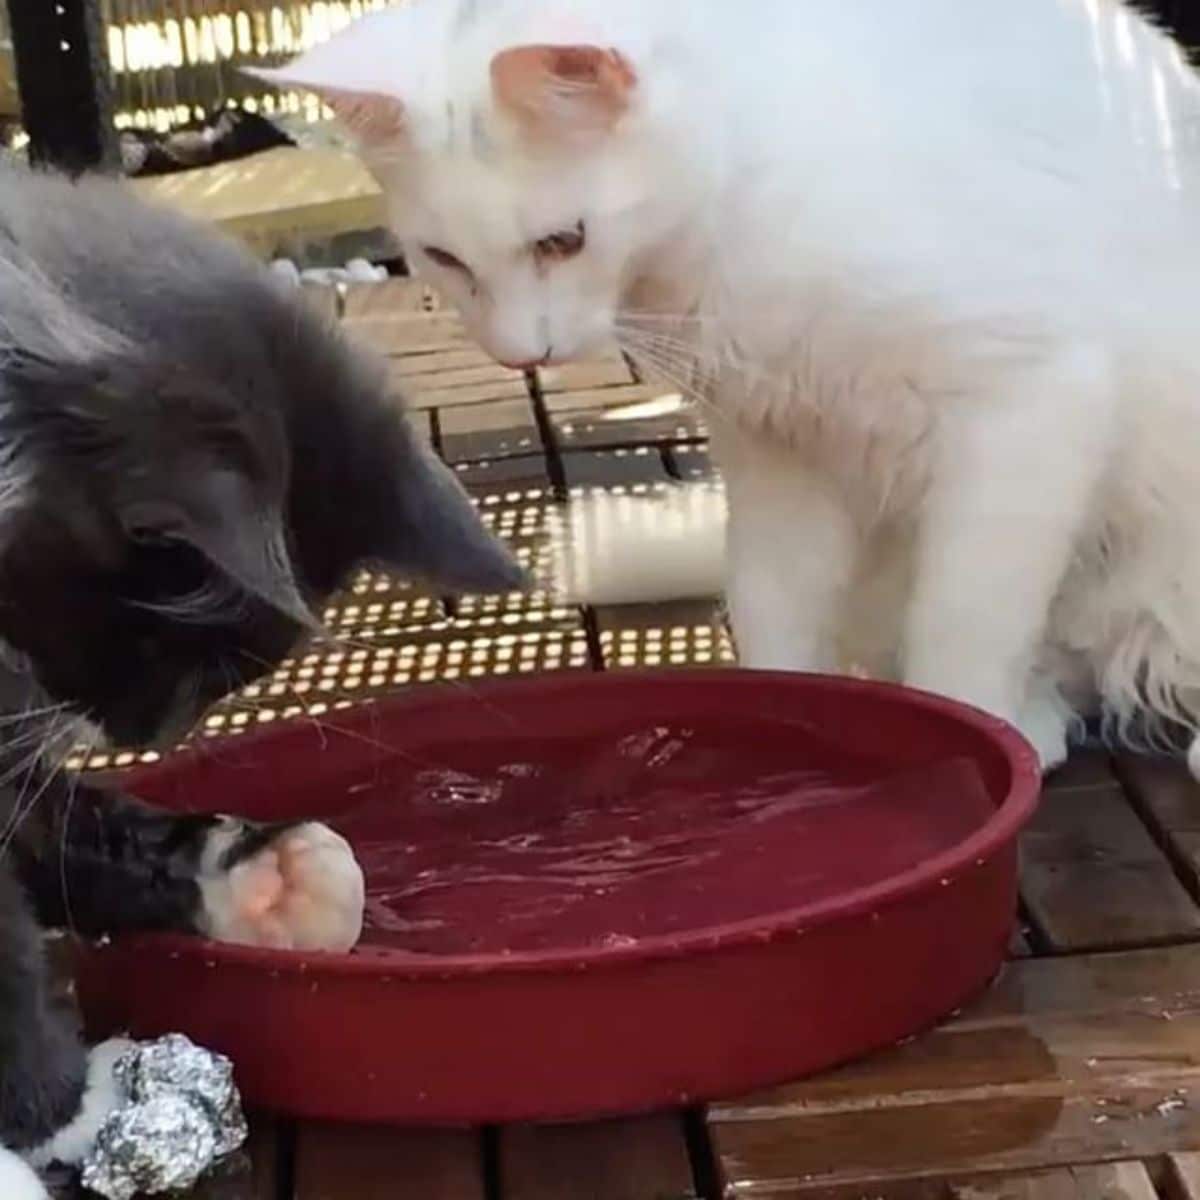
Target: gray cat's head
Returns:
[191, 462]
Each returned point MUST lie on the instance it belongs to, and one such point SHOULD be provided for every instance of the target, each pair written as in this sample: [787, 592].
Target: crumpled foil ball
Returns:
[181, 1115]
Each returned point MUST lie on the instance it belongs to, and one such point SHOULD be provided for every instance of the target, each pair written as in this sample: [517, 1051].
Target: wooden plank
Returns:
[389, 296]
[447, 379]
[1114, 1181]
[1065, 1063]
[642, 1159]
[350, 1162]
[602, 399]
[457, 358]
[431, 395]
[249, 1175]
[410, 335]
[610, 371]
[1170, 799]
[1183, 1174]
[1117, 1181]
[1084, 769]
[484, 431]
[273, 199]
[1092, 875]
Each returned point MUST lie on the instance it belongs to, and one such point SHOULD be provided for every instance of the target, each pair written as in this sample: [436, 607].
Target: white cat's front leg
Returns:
[791, 549]
[1014, 480]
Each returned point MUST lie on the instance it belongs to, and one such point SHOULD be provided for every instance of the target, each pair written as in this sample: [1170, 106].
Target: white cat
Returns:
[933, 264]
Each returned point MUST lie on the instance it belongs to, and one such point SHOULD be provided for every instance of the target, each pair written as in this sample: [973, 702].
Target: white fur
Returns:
[102, 1096]
[616, 548]
[305, 891]
[935, 274]
[18, 1180]
[72, 1144]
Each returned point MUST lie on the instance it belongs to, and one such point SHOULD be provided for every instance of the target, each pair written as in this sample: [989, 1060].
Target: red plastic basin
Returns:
[603, 894]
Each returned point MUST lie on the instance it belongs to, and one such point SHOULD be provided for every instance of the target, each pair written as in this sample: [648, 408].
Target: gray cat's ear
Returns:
[215, 511]
[436, 534]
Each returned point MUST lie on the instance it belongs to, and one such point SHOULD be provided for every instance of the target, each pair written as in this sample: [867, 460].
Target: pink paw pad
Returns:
[304, 891]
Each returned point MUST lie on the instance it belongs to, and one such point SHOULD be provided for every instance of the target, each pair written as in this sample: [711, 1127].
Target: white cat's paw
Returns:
[72, 1144]
[304, 890]
[18, 1181]
[1046, 725]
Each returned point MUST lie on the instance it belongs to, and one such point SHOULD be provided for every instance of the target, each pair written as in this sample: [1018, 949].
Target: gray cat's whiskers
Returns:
[297, 696]
[23, 807]
[86, 751]
[217, 601]
[249, 704]
[341, 641]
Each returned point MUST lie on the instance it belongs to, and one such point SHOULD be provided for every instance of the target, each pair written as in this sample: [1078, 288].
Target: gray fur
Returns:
[190, 460]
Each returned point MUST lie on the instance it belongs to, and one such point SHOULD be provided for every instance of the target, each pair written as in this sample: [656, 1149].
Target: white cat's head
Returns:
[527, 155]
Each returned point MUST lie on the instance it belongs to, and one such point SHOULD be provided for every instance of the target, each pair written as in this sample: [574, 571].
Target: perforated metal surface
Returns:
[668, 635]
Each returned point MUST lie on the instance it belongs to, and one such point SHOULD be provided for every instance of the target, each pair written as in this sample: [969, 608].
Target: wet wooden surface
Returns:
[1076, 1078]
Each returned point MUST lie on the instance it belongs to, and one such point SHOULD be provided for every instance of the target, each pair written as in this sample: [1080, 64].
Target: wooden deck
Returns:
[1077, 1076]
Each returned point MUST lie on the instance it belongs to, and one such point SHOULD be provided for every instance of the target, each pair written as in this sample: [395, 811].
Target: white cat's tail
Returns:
[613, 548]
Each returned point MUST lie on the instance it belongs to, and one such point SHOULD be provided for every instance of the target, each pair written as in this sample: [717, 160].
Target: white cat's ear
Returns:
[373, 118]
[562, 91]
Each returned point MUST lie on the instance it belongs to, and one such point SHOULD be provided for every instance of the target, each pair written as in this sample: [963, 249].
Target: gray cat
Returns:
[190, 461]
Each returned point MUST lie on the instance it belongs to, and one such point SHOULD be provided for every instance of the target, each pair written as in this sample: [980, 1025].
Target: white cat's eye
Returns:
[444, 258]
[558, 247]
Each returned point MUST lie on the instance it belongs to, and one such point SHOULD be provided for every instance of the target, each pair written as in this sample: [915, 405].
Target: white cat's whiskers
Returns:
[666, 361]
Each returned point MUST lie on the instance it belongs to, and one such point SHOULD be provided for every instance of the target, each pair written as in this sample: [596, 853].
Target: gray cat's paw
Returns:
[302, 890]
[72, 1144]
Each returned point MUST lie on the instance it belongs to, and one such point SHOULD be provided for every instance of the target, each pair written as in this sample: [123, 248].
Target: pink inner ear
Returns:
[374, 119]
[556, 86]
